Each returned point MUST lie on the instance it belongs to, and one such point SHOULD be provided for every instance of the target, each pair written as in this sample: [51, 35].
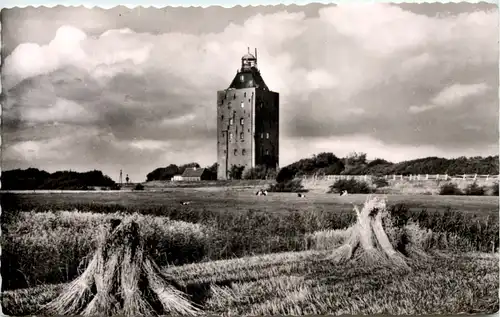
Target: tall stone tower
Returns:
[247, 121]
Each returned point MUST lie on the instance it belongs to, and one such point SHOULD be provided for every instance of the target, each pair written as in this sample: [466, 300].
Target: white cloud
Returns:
[422, 108]
[152, 145]
[62, 110]
[456, 93]
[452, 96]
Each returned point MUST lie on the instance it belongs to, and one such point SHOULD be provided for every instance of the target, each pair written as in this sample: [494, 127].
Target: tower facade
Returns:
[247, 121]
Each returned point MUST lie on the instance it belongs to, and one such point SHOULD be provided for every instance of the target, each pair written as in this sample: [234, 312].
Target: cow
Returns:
[343, 193]
[185, 203]
[301, 195]
[261, 193]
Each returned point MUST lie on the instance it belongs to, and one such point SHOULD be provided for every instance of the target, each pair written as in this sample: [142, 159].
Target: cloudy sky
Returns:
[136, 89]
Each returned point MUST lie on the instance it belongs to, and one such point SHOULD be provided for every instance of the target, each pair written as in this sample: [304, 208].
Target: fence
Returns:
[411, 177]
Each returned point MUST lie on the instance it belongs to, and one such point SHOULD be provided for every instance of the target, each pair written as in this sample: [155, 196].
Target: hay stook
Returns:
[368, 242]
[121, 279]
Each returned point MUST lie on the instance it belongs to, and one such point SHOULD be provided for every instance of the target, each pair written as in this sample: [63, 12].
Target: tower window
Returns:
[222, 118]
[267, 135]
[243, 152]
[267, 152]
[242, 78]
[242, 121]
[244, 94]
[248, 130]
[231, 121]
[231, 136]
[242, 135]
[234, 96]
[235, 152]
[242, 104]
[262, 135]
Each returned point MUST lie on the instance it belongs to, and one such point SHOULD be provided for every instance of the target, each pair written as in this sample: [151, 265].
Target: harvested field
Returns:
[305, 250]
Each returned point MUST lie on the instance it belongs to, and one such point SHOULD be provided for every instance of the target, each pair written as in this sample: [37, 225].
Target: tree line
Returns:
[166, 173]
[327, 163]
[33, 178]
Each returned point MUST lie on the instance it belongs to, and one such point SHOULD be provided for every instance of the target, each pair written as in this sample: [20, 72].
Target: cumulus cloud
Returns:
[452, 96]
[358, 74]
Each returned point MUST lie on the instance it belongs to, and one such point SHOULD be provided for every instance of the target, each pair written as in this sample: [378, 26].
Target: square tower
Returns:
[247, 121]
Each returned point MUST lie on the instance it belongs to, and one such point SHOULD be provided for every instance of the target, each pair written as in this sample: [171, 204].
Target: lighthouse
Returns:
[247, 121]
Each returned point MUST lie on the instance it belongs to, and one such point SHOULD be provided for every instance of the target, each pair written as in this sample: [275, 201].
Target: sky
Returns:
[135, 89]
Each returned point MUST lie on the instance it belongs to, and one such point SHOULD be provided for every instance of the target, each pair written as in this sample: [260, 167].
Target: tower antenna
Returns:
[256, 58]
[120, 181]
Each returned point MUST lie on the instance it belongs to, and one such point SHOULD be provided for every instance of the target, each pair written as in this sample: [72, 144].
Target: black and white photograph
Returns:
[252, 160]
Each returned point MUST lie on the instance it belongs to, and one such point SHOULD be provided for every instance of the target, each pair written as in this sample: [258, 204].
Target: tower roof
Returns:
[248, 56]
[249, 75]
[248, 79]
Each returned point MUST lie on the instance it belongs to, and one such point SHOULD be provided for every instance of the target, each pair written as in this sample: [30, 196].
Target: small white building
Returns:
[177, 178]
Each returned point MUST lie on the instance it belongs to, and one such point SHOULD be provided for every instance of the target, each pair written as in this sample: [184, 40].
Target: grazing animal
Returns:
[301, 195]
[343, 193]
[261, 193]
[185, 202]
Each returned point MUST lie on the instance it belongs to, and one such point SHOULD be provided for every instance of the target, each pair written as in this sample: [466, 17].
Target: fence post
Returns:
[366, 177]
[487, 176]
[418, 177]
[475, 176]
[401, 176]
[393, 176]
[426, 176]
[464, 178]
[445, 177]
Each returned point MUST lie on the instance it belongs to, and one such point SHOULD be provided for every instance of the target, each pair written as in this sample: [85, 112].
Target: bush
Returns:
[291, 186]
[475, 190]
[285, 174]
[380, 182]
[494, 188]
[259, 172]
[450, 189]
[139, 187]
[352, 186]
[236, 172]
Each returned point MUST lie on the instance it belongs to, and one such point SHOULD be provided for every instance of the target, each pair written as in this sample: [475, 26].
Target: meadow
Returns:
[237, 253]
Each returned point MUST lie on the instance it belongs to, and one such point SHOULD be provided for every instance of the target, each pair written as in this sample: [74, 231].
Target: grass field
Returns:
[238, 254]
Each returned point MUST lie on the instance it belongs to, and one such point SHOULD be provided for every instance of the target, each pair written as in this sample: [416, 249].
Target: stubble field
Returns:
[236, 253]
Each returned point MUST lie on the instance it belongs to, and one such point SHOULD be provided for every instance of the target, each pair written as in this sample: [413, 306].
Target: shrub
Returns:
[474, 190]
[236, 172]
[450, 189]
[494, 188]
[285, 174]
[291, 186]
[259, 172]
[139, 187]
[380, 182]
[351, 186]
